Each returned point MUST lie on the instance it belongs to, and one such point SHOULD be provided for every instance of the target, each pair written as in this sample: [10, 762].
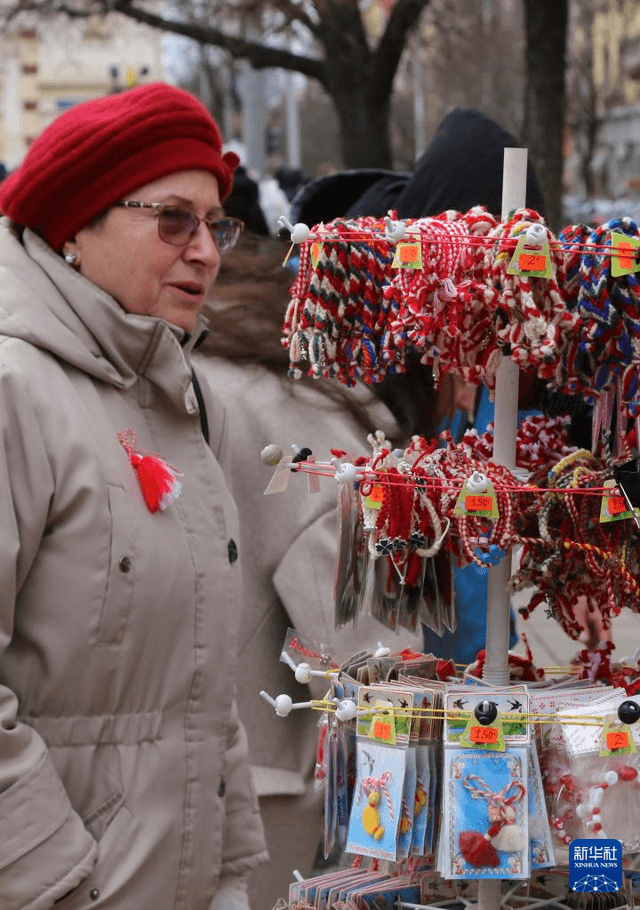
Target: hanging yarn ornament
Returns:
[482, 849]
[477, 849]
[604, 353]
[337, 312]
[438, 309]
[531, 319]
[158, 480]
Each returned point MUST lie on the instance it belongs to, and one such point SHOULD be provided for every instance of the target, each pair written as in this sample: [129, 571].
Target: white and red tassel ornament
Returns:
[502, 834]
[158, 480]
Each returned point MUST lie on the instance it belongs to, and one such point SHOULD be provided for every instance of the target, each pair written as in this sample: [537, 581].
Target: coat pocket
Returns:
[122, 571]
[99, 819]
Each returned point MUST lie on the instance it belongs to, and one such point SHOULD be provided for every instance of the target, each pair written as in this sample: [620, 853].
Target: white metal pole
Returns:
[292, 122]
[496, 667]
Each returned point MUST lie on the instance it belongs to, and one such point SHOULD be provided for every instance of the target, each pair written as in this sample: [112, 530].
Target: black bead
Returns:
[302, 455]
[232, 550]
[94, 894]
[629, 712]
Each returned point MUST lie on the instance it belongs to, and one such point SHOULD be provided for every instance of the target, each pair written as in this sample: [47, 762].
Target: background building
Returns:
[46, 69]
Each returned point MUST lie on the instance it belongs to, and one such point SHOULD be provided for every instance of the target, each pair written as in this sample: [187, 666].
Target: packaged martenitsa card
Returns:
[485, 820]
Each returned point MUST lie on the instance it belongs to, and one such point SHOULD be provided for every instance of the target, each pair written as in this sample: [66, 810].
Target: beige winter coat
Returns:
[123, 775]
[289, 541]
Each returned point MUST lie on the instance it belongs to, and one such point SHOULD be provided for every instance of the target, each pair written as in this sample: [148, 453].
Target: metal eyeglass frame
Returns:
[216, 225]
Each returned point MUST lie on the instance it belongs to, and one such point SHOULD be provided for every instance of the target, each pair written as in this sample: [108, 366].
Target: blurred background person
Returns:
[289, 541]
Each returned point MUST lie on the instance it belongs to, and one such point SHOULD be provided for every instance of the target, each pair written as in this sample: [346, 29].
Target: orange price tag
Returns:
[483, 734]
[376, 494]
[531, 262]
[408, 252]
[382, 730]
[316, 249]
[625, 255]
[617, 740]
[616, 505]
[478, 503]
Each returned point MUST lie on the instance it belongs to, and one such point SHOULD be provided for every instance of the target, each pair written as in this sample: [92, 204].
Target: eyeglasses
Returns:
[177, 226]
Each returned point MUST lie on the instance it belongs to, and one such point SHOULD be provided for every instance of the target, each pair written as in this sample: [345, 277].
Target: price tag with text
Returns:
[408, 256]
[479, 504]
[375, 496]
[617, 738]
[483, 736]
[624, 254]
[531, 262]
[314, 254]
[613, 506]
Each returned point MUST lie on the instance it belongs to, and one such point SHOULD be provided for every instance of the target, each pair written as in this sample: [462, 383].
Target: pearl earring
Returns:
[71, 258]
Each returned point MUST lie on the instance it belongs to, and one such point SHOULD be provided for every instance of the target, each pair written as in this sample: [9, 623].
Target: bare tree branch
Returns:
[404, 16]
[259, 55]
[295, 13]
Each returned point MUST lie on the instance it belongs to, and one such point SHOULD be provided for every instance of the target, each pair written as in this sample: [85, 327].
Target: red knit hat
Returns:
[97, 152]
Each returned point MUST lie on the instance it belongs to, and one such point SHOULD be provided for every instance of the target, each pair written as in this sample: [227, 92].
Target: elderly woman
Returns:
[124, 780]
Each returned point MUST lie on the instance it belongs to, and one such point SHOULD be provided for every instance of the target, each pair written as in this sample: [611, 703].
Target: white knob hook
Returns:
[477, 483]
[346, 708]
[345, 471]
[395, 231]
[284, 704]
[304, 674]
[299, 232]
[382, 650]
[535, 235]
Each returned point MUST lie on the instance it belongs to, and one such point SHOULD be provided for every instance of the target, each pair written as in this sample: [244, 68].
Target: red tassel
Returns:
[157, 479]
[477, 850]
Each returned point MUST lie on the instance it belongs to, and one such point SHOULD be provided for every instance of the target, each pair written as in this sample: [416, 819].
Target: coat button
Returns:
[232, 550]
[125, 564]
[94, 894]
[222, 788]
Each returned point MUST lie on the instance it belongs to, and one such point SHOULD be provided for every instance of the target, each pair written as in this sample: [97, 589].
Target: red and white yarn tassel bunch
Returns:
[158, 481]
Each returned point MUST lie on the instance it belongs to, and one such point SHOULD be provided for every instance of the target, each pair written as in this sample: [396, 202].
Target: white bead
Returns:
[602, 834]
[283, 705]
[611, 778]
[535, 235]
[271, 454]
[595, 796]
[303, 674]
[583, 811]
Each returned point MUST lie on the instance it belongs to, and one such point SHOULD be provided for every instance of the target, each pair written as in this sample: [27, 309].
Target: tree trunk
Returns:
[544, 103]
[364, 128]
